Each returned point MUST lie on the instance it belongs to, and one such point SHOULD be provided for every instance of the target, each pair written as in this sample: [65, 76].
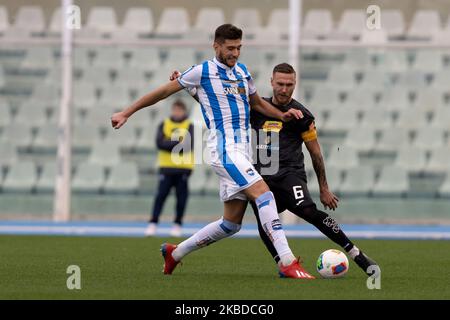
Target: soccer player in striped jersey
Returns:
[226, 93]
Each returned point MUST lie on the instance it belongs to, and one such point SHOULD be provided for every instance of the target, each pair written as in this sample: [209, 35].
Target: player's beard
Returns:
[224, 60]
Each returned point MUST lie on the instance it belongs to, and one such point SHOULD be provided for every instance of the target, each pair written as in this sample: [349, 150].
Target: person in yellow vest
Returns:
[174, 140]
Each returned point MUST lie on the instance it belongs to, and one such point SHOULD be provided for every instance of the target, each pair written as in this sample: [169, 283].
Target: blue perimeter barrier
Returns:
[136, 229]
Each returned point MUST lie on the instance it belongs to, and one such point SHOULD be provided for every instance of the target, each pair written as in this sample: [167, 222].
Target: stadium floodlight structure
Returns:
[62, 200]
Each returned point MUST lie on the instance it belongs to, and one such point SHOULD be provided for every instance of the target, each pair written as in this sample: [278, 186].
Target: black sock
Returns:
[327, 225]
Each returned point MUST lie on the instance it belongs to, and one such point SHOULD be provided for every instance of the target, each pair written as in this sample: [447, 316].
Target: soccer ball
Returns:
[332, 264]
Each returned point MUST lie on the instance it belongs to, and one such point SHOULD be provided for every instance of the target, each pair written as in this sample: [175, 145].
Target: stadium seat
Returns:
[17, 134]
[343, 157]
[373, 37]
[424, 24]
[84, 95]
[393, 22]
[100, 115]
[43, 95]
[248, 19]
[212, 186]
[375, 80]
[396, 98]
[4, 20]
[428, 138]
[47, 179]
[341, 121]
[352, 23]
[96, 77]
[104, 155]
[180, 59]
[392, 61]
[198, 179]
[334, 179]
[412, 119]
[358, 59]
[279, 23]
[441, 118]
[5, 114]
[441, 80]
[115, 95]
[428, 61]
[46, 139]
[429, 100]
[341, 78]
[413, 80]
[358, 181]
[29, 19]
[41, 58]
[123, 178]
[8, 152]
[102, 20]
[444, 190]
[377, 118]
[147, 59]
[132, 78]
[393, 181]
[109, 57]
[84, 135]
[138, 22]
[54, 28]
[208, 19]
[166, 26]
[125, 138]
[361, 98]
[325, 99]
[81, 58]
[392, 139]
[318, 24]
[21, 177]
[411, 158]
[360, 138]
[31, 115]
[439, 161]
[88, 178]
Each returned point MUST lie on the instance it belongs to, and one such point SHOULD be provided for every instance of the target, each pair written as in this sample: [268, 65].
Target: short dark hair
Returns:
[180, 104]
[283, 68]
[227, 32]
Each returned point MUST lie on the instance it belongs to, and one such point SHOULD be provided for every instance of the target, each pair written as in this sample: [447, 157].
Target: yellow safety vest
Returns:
[167, 159]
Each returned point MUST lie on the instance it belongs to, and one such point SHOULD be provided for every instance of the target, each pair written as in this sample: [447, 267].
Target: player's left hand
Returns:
[329, 199]
[291, 114]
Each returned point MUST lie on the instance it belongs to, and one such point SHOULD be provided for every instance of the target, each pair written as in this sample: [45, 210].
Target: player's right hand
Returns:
[118, 119]
[175, 74]
[328, 199]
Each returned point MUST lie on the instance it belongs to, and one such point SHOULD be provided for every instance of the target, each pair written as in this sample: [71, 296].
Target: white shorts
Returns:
[235, 171]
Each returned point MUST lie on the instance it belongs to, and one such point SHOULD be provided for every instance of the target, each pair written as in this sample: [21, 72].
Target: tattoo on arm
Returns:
[319, 168]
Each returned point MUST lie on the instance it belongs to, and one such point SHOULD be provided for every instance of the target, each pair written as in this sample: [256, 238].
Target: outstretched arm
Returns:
[118, 119]
[327, 198]
[262, 106]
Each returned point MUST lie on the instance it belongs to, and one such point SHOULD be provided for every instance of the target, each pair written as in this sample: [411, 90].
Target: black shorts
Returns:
[290, 192]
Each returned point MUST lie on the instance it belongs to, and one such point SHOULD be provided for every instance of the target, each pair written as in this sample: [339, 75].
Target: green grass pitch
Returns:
[34, 267]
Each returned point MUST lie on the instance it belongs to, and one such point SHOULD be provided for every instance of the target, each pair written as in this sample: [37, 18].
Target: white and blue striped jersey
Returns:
[223, 93]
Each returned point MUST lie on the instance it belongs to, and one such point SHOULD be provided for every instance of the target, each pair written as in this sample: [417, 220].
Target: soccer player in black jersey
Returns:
[285, 172]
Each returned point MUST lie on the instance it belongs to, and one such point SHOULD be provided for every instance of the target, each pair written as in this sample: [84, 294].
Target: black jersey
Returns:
[274, 140]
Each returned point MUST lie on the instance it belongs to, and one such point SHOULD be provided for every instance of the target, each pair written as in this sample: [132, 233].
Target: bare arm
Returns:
[327, 198]
[262, 106]
[118, 119]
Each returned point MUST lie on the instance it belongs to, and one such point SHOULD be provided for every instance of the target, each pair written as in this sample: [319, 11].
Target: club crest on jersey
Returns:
[274, 126]
[250, 172]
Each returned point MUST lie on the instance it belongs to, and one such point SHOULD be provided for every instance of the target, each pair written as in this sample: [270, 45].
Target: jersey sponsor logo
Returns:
[274, 126]
[233, 90]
